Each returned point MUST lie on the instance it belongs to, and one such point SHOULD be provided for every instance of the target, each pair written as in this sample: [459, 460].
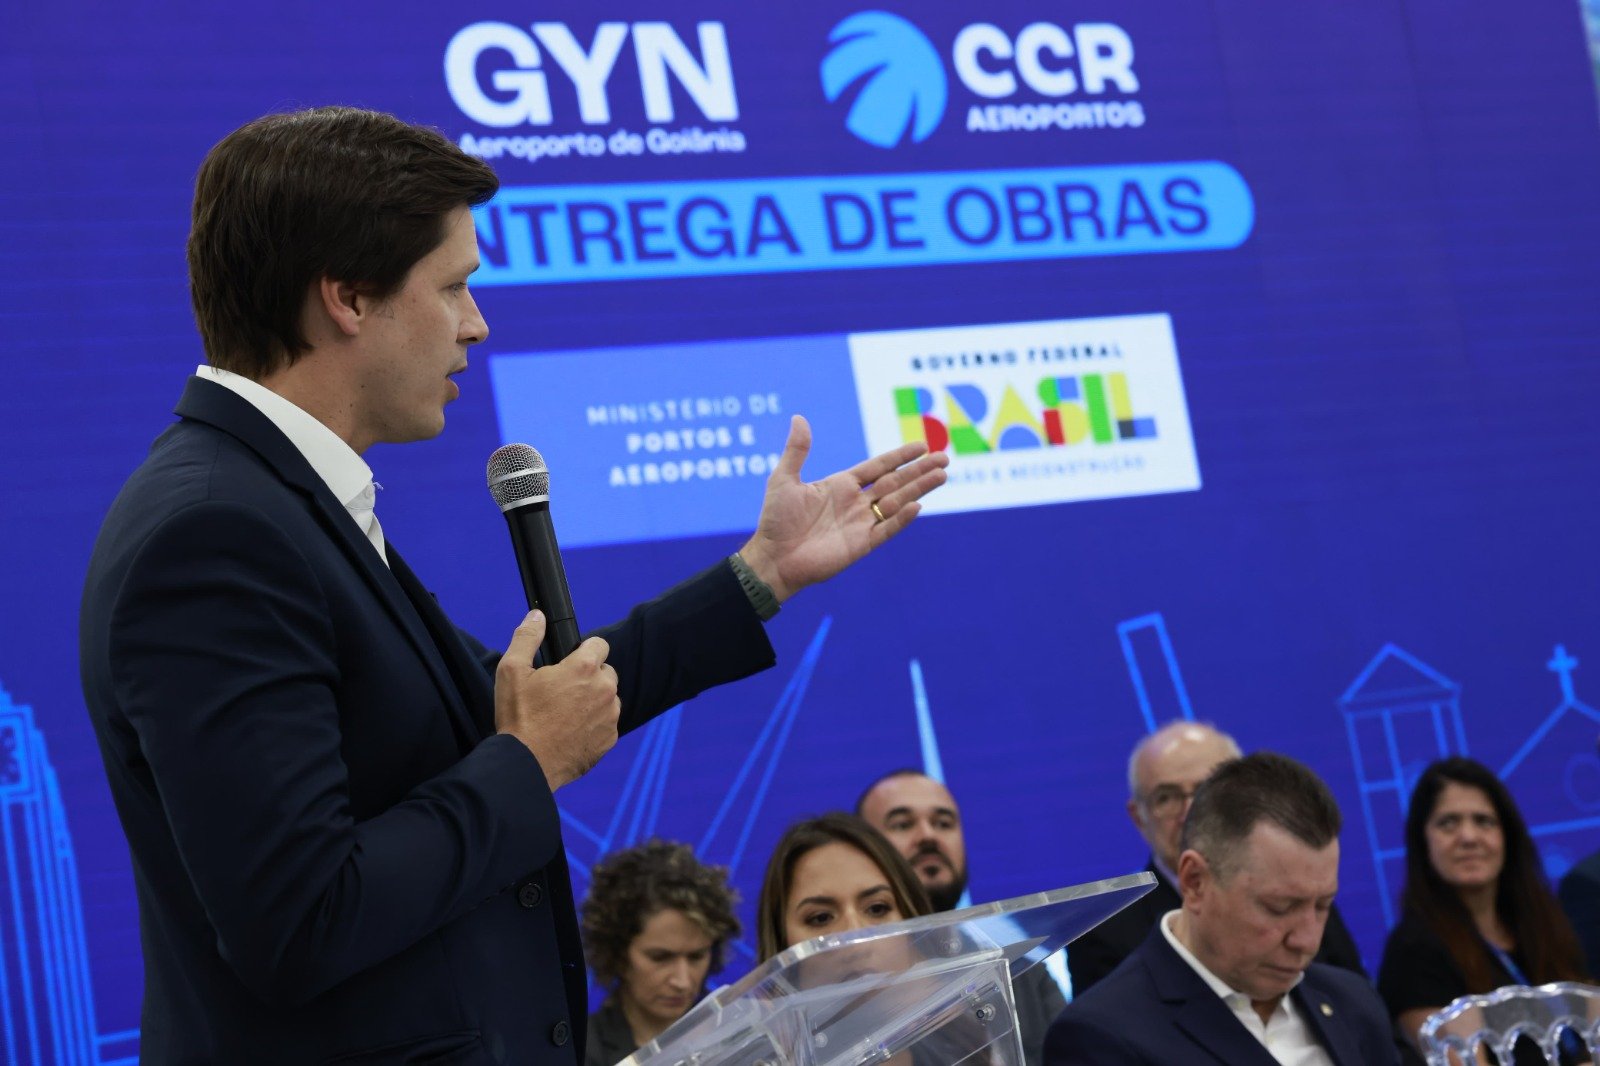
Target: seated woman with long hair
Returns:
[656, 924]
[1476, 913]
[834, 874]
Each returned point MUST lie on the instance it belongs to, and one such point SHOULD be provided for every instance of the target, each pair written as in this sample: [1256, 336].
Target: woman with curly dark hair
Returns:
[1476, 913]
[656, 924]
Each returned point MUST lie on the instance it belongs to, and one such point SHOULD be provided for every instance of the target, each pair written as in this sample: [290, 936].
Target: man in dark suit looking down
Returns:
[1228, 977]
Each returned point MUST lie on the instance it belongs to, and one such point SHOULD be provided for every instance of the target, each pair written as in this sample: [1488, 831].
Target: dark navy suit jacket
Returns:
[1155, 1010]
[336, 858]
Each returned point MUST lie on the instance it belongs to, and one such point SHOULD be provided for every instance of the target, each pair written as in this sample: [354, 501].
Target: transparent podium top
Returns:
[931, 990]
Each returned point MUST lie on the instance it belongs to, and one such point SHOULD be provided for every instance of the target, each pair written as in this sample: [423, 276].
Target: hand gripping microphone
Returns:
[520, 485]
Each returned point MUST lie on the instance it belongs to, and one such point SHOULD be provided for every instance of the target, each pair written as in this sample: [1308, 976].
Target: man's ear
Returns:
[1194, 877]
[341, 304]
[1133, 813]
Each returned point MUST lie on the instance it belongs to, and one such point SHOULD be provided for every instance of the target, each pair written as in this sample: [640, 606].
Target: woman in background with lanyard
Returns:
[1476, 913]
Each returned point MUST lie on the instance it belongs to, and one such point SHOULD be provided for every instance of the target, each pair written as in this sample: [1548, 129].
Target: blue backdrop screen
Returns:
[1262, 338]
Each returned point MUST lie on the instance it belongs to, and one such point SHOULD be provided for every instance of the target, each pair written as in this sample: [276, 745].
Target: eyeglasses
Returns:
[1167, 801]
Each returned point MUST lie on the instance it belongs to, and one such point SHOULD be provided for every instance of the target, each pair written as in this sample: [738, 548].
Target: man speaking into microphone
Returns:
[339, 805]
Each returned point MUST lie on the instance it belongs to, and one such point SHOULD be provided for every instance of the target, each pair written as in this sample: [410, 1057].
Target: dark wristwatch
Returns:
[760, 594]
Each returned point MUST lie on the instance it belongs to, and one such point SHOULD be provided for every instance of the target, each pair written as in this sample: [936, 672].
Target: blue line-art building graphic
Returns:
[46, 994]
[1400, 714]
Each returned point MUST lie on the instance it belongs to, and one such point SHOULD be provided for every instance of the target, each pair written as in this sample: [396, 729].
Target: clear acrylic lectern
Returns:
[933, 991]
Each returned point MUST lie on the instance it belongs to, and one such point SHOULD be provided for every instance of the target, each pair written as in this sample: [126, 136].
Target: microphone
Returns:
[520, 484]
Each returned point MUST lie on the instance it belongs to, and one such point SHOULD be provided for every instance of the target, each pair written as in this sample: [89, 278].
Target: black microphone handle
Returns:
[544, 579]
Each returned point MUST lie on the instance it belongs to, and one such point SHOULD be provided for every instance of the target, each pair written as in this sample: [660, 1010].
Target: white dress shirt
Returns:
[345, 473]
[1286, 1034]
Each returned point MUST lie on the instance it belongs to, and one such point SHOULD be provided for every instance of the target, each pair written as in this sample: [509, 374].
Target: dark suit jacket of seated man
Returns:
[1155, 1009]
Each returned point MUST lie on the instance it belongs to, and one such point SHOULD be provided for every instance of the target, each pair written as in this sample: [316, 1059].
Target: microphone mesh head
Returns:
[517, 475]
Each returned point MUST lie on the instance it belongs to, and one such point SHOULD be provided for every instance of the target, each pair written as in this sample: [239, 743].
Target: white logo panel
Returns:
[1033, 412]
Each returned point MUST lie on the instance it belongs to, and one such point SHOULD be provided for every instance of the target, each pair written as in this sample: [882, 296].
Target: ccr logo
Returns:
[902, 83]
[1076, 409]
[1049, 76]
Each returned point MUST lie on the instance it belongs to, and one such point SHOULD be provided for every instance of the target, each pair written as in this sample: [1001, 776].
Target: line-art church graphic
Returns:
[1402, 714]
[1555, 775]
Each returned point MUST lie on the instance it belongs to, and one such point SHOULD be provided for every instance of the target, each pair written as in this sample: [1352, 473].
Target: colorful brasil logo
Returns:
[1076, 409]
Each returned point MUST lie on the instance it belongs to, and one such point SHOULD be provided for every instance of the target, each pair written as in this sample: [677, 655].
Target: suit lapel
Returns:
[465, 671]
[1198, 1012]
[208, 402]
[1323, 1017]
[1215, 1030]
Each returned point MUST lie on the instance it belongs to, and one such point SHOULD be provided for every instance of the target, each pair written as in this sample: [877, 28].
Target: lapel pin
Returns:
[1327, 1011]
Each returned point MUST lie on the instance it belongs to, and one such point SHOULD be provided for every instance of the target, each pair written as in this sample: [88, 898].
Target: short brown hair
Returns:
[628, 887]
[337, 192]
[834, 828]
[1261, 787]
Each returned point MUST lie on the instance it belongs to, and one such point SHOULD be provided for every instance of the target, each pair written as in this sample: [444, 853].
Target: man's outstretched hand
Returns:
[809, 531]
